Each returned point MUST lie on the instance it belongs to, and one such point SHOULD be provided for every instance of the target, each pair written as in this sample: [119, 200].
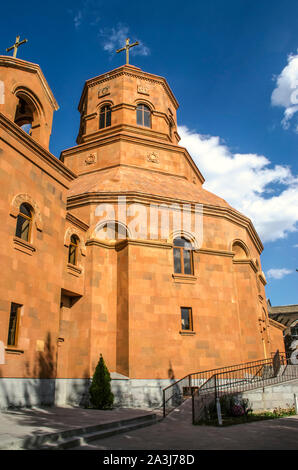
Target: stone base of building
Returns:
[273, 396]
[132, 393]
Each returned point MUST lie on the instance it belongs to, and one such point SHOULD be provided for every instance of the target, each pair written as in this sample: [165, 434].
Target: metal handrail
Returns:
[227, 383]
[174, 393]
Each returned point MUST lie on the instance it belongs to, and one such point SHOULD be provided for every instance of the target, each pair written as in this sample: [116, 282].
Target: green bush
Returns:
[101, 396]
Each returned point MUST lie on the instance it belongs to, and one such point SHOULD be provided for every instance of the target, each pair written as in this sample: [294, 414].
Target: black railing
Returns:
[176, 393]
[242, 379]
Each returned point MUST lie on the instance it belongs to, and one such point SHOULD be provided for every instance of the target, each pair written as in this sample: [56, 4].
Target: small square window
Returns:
[186, 319]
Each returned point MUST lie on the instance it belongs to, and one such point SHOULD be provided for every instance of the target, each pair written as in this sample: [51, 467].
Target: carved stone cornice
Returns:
[249, 262]
[120, 244]
[129, 71]
[276, 324]
[208, 251]
[77, 222]
[150, 170]
[123, 136]
[229, 214]
[28, 142]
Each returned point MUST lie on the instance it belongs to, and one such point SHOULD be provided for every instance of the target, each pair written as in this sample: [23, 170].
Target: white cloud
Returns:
[286, 92]
[77, 19]
[115, 38]
[248, 182]
[278, 273]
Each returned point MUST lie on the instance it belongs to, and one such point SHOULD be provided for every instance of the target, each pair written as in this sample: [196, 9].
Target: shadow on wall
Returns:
[38, 384]
[144, 393]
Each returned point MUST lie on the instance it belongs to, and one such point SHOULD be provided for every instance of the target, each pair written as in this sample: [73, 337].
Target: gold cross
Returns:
[126, 48]
[16, 45]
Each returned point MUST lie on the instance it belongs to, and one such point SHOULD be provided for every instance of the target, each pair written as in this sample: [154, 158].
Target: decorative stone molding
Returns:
[262, 278]
[239, 243]
[73, 231]
[153, 158]
[22, 245]
[74, 270]
[184, 278]
[187, 333]
[187, 235]
[91, 158]
[104, 91]
[143, 89]
[26, 198]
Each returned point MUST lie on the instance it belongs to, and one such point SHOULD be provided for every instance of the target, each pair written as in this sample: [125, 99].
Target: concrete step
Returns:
[78, 436]
[76, 441]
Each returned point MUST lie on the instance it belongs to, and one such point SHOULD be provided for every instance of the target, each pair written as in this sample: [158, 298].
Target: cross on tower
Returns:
[126, 48]
[16, 45]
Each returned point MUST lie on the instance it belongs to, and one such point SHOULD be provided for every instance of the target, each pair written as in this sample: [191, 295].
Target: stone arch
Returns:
[240, 250]
[74, 231]
[100, 227]
[29, 110]
[184, 234]
[18, 200]
[104, 103]
[146, 103]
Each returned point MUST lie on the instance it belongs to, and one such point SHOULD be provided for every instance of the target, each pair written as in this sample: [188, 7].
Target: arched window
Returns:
[240, 250]
[73, 249]
[24, 222]
[111, 231]
[183, 259]
[105, 116]
[24, 116]
[143, 115]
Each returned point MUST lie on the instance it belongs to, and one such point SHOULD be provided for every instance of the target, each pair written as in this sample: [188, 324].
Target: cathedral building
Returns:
[94, 259]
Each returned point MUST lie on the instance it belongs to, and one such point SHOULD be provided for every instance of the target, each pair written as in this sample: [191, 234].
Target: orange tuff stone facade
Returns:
[72, 288]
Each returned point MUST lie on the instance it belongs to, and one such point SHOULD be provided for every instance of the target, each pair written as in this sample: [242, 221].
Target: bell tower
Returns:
[26, 98]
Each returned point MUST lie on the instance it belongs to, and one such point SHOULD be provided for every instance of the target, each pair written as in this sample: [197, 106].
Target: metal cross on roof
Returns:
[126, 48]
[17, 44]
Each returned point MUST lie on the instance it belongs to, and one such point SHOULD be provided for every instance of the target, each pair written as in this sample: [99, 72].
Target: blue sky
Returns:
[231, 64]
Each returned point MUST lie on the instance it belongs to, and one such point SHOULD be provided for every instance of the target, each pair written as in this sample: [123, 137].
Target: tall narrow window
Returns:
[183, 260]
[143, 115]
[105, 116]
[24, 222]
[73, 250]
[186, 319]
[14, 318]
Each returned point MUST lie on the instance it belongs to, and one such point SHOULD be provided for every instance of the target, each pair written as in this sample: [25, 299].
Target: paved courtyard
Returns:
[177, 432]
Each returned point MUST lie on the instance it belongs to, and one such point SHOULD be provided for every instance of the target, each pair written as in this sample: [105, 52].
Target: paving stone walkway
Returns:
[177, 432]
[20, 425]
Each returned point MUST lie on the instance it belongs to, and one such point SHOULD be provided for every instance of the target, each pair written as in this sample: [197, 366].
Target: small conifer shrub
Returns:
[101, 396]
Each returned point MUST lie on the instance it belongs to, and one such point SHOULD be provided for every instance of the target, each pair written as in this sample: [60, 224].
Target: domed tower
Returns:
[157, 302]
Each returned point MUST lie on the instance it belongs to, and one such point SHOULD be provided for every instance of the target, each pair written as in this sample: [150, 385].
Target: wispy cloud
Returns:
[88, 13]
[77, 19]
[285, 93]
[248, 182]
[278, 273]
[114, 38]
